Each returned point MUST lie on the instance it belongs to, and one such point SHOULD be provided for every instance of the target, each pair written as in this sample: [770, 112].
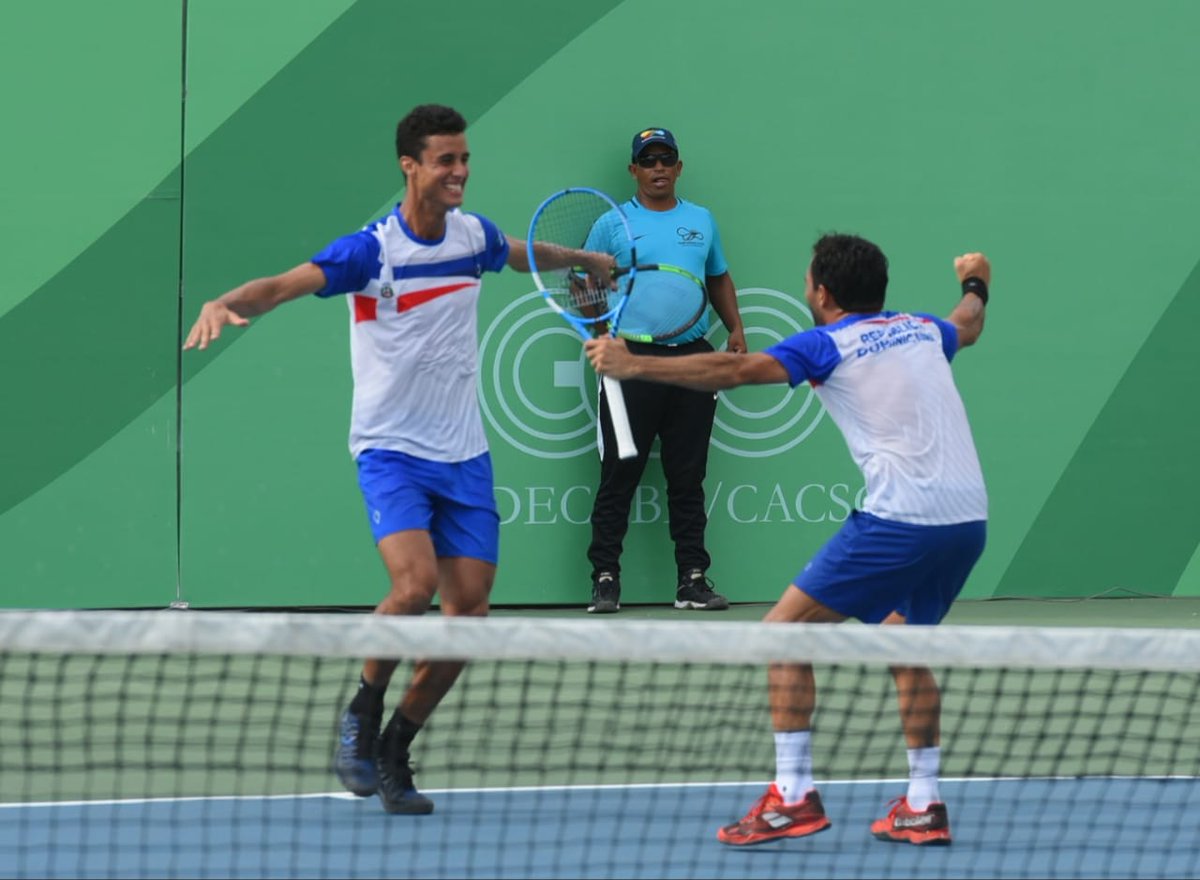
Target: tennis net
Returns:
[199, 744]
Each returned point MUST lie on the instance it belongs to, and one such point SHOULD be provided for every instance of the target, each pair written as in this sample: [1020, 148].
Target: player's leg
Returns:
[618, 484]
[399, 510]
[465, 535]
[920, 704]
[943, 557]
[850, 576]
[408, 557]
[792, 805]
[792, 686]
[920, 816]
[792, 695]
[464, 585]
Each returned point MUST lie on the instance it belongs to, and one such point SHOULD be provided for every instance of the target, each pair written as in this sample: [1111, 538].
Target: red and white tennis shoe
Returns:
[903, 824]
[771, 819]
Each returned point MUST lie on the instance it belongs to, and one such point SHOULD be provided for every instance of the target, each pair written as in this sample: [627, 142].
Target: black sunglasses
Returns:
[668, 160]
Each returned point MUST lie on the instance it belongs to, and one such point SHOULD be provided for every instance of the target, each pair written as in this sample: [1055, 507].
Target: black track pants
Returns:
[682, 420]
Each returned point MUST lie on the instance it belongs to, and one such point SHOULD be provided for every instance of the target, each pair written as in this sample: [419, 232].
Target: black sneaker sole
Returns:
[604, 608]
[415, 804]
[354, 788]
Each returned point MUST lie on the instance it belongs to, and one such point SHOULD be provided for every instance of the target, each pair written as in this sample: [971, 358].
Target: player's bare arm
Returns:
[968, 315]
[703, 372]
[550, 256]
[257, 297]
[723, 295]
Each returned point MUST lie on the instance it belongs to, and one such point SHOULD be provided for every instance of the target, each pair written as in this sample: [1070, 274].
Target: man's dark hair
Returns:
[413, 131]
[853, 270]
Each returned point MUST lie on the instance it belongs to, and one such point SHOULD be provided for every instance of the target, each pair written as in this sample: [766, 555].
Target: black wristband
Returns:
[977, 286]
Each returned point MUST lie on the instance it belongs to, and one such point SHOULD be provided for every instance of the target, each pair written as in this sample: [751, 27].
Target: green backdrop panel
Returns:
[1112, 522]
[1064, 156]
[234, 47]
[92, 117]
[89, 309]
[1189, 581]
[103, 534]
[778, 163]
[778, 171]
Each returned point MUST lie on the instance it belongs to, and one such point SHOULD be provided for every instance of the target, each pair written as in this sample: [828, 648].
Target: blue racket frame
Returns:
[626, 448]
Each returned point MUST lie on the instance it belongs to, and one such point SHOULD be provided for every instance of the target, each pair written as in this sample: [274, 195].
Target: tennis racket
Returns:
[669, 302]
[563, 222]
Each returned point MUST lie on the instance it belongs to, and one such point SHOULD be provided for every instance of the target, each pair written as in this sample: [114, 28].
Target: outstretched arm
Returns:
[551, 256]
[257, 297]
[703, 372]
[968, 315]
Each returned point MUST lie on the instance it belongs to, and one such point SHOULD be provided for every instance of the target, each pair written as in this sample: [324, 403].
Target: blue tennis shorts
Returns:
[453, 501]
[874, 566]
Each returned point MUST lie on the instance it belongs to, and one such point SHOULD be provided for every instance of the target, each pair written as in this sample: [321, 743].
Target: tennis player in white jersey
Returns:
[412, 282]
[885, 379]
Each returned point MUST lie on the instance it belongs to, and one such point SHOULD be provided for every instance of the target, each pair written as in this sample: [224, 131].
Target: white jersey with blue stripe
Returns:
[413, 345]
[885, 379]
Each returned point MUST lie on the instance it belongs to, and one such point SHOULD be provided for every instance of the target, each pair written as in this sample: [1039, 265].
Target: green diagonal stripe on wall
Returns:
[1122, 515]
[322, 123]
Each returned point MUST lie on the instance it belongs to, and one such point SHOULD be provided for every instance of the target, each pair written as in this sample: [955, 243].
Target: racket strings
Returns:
[582, 297]
[663, 304]
[566, 223]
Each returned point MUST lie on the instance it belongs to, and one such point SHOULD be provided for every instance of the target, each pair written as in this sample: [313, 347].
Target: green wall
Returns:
[1059, 138]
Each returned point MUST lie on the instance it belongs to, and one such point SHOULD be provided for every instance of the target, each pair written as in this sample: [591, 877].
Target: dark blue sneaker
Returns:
[354, 760]
[396, 790]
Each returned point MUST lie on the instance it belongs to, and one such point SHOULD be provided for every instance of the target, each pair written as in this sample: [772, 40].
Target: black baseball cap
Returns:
[648, 136]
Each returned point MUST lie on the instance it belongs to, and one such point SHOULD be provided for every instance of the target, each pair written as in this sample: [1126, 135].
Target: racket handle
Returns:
[626, 448]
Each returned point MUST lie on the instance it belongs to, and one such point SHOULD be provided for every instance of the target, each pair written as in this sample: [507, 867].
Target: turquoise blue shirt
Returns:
[685, 236]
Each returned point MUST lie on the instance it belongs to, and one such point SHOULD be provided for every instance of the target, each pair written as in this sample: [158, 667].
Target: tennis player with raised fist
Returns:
[885, 379]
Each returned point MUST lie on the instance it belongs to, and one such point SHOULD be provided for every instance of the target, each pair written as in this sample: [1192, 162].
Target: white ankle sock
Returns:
[923, 766]
[793, 764]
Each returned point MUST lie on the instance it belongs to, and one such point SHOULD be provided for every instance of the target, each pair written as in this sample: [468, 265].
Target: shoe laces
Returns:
[768, 800]
[699, 582]
[605, 585]
[398, 768]
[359, 727]
[895, 805]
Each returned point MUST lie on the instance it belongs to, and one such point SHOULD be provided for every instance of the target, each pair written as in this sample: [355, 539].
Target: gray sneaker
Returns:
[696, 592]
[606, 594]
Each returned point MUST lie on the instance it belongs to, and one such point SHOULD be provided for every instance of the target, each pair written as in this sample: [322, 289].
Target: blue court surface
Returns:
[1093, 827]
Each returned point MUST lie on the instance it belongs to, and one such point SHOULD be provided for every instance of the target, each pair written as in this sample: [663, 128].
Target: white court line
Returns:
[347, 796]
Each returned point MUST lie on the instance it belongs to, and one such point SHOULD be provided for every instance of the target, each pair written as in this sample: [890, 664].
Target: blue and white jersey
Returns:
[413, 344]
[885, 380]
[685, 236]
